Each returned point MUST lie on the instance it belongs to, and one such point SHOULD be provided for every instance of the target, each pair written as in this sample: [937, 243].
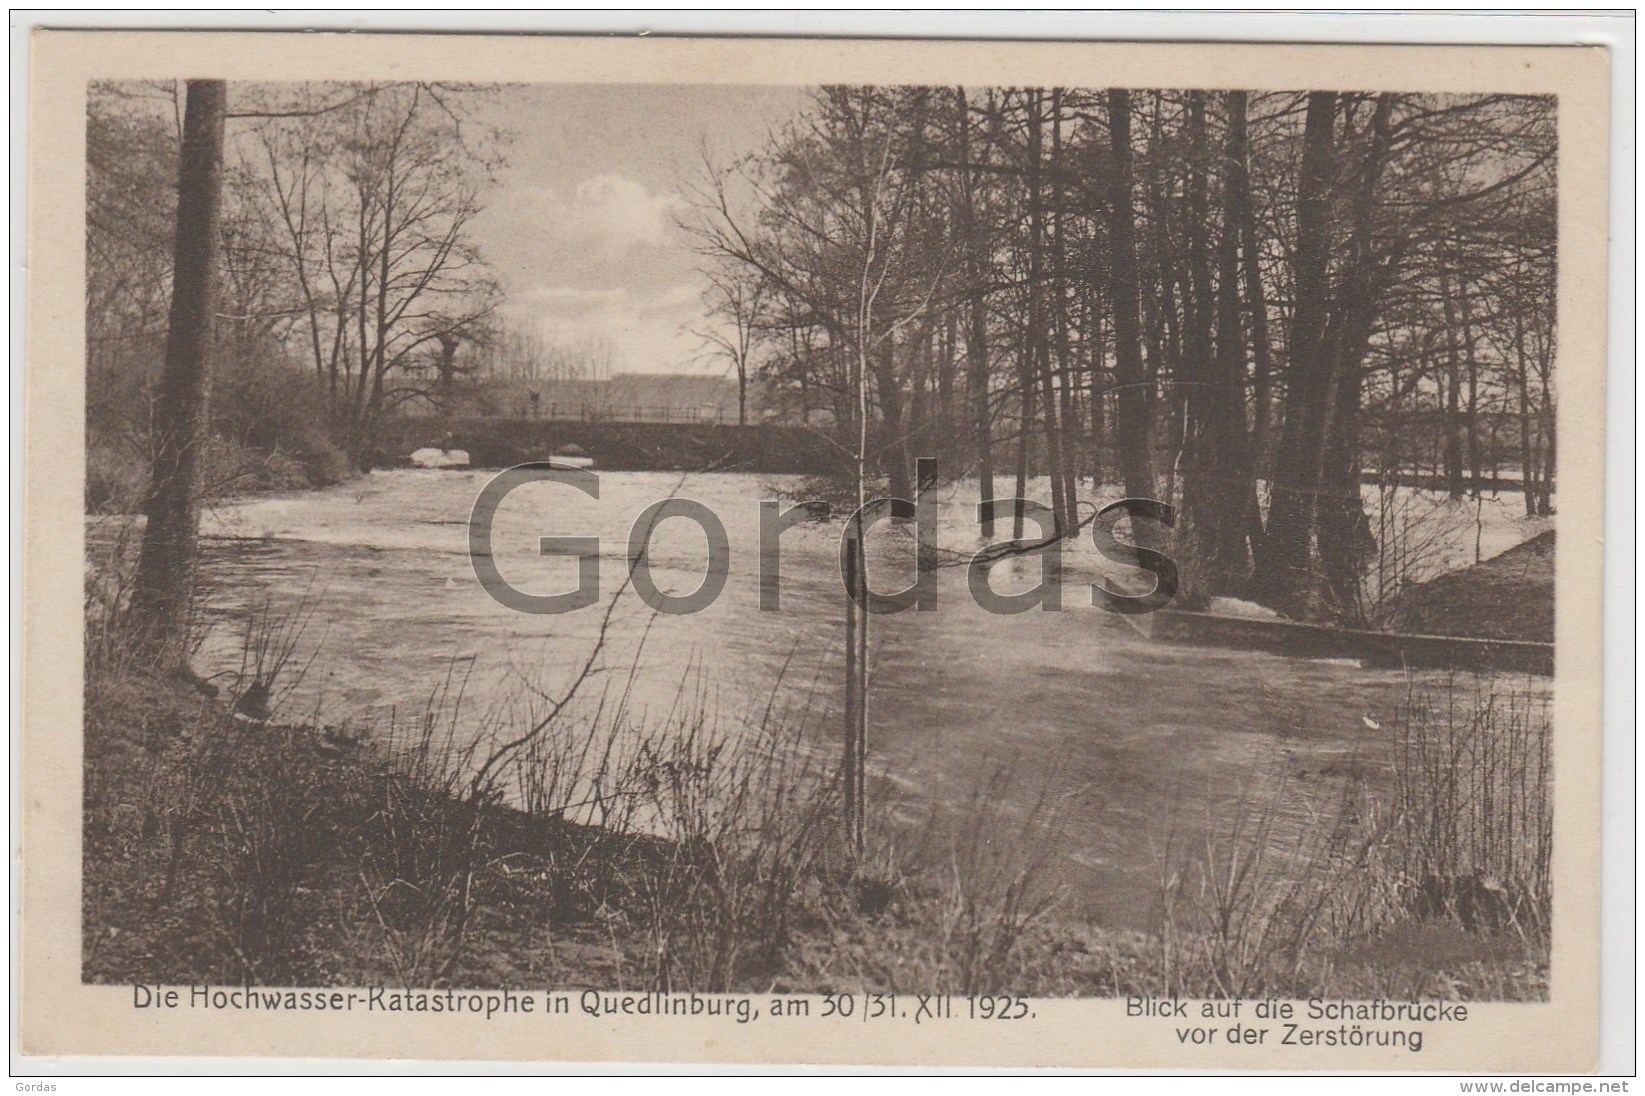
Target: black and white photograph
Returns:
[904, 552]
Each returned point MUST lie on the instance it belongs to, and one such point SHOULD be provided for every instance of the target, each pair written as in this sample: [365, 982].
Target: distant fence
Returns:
[586, 412]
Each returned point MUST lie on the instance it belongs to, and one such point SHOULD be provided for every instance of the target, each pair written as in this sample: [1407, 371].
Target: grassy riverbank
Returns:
[1510, 596]
[223, 849]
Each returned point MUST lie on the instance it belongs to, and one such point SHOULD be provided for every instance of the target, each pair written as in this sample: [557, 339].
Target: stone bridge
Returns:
[618, 446]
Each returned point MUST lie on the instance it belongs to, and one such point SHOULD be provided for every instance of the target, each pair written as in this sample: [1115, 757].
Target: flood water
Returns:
[1123, 746]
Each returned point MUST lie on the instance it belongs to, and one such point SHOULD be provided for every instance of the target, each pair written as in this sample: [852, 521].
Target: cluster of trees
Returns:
[534, 354]
[1224, 300]
[316, 233]
[517, 369]
[344, 270]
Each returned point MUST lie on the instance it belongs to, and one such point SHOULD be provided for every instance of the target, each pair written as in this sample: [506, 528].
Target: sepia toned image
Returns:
[917, 553]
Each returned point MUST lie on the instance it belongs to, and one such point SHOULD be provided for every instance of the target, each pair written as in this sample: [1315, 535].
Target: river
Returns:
[1122, 746]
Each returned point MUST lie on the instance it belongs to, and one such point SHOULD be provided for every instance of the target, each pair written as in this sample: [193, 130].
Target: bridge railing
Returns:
[573, 412]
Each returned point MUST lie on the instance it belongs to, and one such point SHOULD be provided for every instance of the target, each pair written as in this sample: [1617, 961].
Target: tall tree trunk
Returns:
[1286, 569]
[1475, 468]
[1067, 412]
[852, 736]
[1453, 391]
[1234, 505]
[919, 384]
[1204, 489]
[163, 589]
[945, 380]
[857, 622]
[1241, 215]
[1135, 402]
[1521, 368]
[982, 412]
[894, 448]
[976, 321]
[1197, 314]
[1545, 495]
[1026, 383]
[1345, 539]
[1164, 323]
[1097, 392]
[1036, 341]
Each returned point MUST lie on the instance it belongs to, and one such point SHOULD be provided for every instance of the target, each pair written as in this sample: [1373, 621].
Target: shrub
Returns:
[116, 476]
[1428, 867]
[278, 413]
[270, 430]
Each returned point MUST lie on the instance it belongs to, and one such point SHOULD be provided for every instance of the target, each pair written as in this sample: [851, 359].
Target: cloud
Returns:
[604, 216]
[598, 259]
[620, 213]
[647, 332]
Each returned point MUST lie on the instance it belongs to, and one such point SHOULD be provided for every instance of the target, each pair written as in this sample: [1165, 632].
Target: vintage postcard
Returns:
[814, 552]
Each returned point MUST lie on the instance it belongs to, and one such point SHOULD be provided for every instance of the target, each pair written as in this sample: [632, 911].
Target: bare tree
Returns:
[376, 199]
[734, 316]
[834, 197]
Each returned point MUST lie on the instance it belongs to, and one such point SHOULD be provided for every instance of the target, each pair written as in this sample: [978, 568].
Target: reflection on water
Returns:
[1127, 745]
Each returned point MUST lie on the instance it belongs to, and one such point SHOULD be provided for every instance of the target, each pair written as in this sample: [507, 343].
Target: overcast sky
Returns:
[581, 225]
